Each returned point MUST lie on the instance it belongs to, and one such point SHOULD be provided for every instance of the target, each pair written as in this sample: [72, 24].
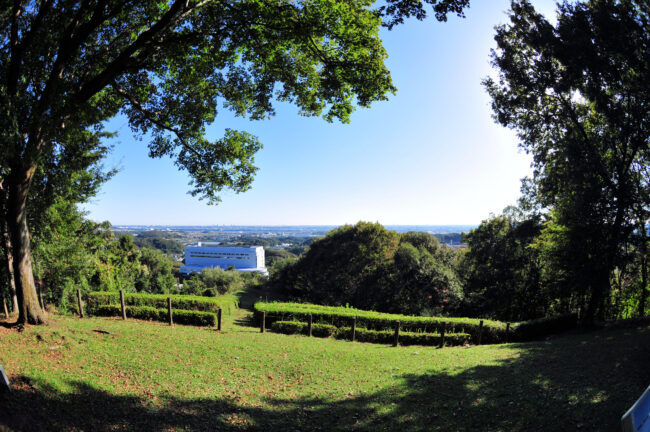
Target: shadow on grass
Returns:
[576, 382]
[247, 320]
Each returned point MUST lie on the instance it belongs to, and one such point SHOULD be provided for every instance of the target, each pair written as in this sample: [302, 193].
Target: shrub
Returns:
[405, 338]
[216, 280]
[296, 327]
[186, 317]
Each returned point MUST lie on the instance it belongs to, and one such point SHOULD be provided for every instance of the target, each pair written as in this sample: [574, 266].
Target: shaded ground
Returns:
[575, 382]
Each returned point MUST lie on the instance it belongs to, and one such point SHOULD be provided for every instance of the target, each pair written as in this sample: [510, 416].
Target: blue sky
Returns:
[430, 155]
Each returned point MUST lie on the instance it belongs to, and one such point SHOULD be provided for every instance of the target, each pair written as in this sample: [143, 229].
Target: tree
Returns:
[500, 269]
[343, 267]
[422, 277]
[71, 175]
[369, 267]
[65, 67]
[577, 94]
[159, 277]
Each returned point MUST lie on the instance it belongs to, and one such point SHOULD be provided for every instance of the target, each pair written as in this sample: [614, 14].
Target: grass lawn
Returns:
[105, 374]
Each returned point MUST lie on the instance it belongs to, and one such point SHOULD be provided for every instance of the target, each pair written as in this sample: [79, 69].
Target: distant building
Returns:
[208, 255]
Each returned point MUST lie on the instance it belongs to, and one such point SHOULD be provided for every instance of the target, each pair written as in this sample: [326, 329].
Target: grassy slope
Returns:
[147, 376]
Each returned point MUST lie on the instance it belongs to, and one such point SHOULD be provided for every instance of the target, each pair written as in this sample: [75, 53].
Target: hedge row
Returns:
[373, 336]
[227, 303]
[187, 317]
[493, 331]
[295, 327]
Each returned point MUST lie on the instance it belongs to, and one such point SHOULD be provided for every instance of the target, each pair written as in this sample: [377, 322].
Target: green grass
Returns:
[148, 376]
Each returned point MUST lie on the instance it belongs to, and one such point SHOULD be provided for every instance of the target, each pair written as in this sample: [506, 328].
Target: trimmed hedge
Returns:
[296, 327]
[493, 331]
[227, 303]
[373, 336]
[187, 317]
[341, 317]
[405, 338]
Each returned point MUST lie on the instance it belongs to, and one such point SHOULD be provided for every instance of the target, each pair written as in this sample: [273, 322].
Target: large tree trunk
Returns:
[6, 246]
[600, 288]
[29, 310]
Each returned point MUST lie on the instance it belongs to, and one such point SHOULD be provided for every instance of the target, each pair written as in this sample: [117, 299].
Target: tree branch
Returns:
[154, 117]
[18, 49]
[114, 68]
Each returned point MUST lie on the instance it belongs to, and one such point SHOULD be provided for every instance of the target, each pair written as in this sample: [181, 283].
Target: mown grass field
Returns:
[106, 374]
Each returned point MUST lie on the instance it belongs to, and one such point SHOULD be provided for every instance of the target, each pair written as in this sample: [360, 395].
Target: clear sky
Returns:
[430, 155]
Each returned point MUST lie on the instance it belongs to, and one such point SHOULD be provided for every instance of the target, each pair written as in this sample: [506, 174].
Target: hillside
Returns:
[106, 374]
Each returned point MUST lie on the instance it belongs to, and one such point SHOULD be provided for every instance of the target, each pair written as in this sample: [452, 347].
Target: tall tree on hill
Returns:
[577, 94]
[67, 66]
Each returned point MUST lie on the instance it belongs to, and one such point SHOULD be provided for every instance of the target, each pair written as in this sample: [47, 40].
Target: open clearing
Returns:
[106, 374]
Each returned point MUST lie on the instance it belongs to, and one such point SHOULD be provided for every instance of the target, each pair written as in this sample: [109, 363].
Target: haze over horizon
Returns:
[430, 155]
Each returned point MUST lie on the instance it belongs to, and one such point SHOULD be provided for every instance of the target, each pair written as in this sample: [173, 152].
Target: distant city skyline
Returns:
[430, 155]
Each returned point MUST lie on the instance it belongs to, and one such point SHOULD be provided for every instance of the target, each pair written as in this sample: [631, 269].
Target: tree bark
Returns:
[29, 310]
[599, 289]
[644, 285]
[6, 246]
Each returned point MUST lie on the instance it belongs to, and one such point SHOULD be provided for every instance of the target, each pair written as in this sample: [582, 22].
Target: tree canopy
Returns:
[369, 267]
[577, 94]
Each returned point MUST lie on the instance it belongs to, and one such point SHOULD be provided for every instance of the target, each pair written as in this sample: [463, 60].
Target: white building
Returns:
[206, 255]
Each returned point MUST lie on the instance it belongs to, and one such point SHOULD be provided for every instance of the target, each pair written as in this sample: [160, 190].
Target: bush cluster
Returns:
[187, 317]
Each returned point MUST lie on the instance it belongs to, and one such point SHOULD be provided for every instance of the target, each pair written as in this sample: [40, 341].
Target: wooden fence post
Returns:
[480, 332]
[507, 332]
[442, 334]
[122, 303]
[219, 312]
[81, 306]
[354, 329]
[263, 323]
[4, 303]
[310, 322]
[396, 341]
[169, 311]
